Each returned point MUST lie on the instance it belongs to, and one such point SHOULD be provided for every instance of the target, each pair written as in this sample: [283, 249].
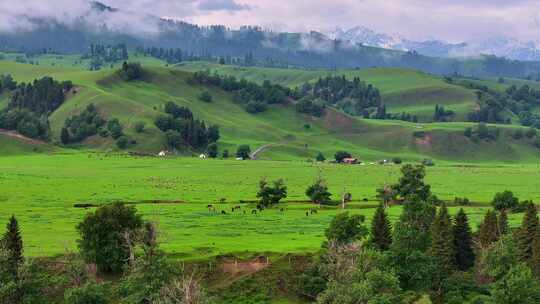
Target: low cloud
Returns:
[221, 5]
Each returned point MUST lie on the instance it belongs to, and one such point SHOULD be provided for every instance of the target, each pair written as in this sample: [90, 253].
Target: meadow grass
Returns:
[41, 190]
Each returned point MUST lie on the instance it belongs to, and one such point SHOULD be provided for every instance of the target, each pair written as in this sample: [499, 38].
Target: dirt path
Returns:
[260, 150]
[21, 137]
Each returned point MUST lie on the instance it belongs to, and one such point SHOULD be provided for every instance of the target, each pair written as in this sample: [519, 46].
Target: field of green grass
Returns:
[41, 190]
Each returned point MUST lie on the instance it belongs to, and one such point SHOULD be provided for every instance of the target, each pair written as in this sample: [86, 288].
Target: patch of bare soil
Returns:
[238, 269]
[21, 137]
[425, 141]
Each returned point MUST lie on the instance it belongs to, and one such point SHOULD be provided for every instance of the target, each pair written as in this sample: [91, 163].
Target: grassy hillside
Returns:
[280, 127]
[402, 90]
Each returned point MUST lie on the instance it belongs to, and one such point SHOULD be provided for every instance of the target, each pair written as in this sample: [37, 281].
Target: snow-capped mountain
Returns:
[500, 46]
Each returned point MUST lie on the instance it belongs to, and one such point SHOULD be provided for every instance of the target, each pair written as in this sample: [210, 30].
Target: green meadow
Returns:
[42, 189]
[41, 183]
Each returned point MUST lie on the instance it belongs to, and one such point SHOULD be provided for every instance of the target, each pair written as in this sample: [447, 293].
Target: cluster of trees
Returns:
[7, 83]
[492, 104]
[131, 71]
[31, 104]
[255, 98]
[171, 56]
[182, 130]
[352, 96]
[426, 251]
[482, 132]
[100, 54]
[442, 115]
[118, 242]
[89, 123]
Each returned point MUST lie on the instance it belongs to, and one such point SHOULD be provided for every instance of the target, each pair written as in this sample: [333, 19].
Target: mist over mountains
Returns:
[93, 22]
[500, 46]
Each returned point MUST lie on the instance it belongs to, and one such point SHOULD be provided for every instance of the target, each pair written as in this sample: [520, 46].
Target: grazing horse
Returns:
[223, 212]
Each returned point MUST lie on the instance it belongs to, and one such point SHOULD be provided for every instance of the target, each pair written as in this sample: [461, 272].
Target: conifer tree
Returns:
[12, 242]
[463, 242]
[528, 229]
[535, 258]
[442, 252]
[381, 230]
[503, 223]
[489, 231]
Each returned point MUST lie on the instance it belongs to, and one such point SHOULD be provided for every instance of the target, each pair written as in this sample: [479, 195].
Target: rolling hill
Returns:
[288, 134]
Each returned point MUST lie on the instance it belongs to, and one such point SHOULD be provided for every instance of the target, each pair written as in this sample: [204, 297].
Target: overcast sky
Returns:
[451, 20]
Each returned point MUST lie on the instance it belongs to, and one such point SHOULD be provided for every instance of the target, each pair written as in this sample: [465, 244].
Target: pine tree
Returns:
[503, 223]
[381, 230]
[442, 252]
[463, 242]
[12, 242]
[489, 231]
[64, 136]
[528, 229]
[535, 258]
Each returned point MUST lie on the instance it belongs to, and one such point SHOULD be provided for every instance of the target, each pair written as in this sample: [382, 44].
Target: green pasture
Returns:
[41, 190]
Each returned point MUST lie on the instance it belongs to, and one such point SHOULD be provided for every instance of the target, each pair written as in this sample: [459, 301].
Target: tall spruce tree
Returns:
[463, 242]
[411, 242]
[503, 223]
[527, 232]
[13, 244]
[381, 230]
[489, 230]
[535, 258]
[442, 252]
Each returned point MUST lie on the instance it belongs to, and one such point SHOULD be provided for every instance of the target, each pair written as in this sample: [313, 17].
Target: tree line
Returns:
[253, 97]
[30, 105]
[427, 252]
[352, 96]
[100, 54]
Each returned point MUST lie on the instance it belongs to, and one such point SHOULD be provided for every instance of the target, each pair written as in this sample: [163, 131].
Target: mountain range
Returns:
[500, 46]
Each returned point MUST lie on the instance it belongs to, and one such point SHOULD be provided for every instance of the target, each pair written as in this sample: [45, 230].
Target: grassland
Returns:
[280, 126]
[42, 190]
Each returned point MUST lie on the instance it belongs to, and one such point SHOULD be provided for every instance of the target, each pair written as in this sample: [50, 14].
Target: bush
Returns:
[458, 201]
[212, 150]
[103, 233]
[320, 157]
[531, 132]
[504, 201]
[243, 152]
[206, 96]
[318, 192]
[397, 160]
[115, 128]
[91, 293]
[139, 126]
[225, 154]
[122, 142]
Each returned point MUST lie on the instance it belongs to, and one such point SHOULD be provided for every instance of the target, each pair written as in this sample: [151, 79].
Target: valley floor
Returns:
[42, 190]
